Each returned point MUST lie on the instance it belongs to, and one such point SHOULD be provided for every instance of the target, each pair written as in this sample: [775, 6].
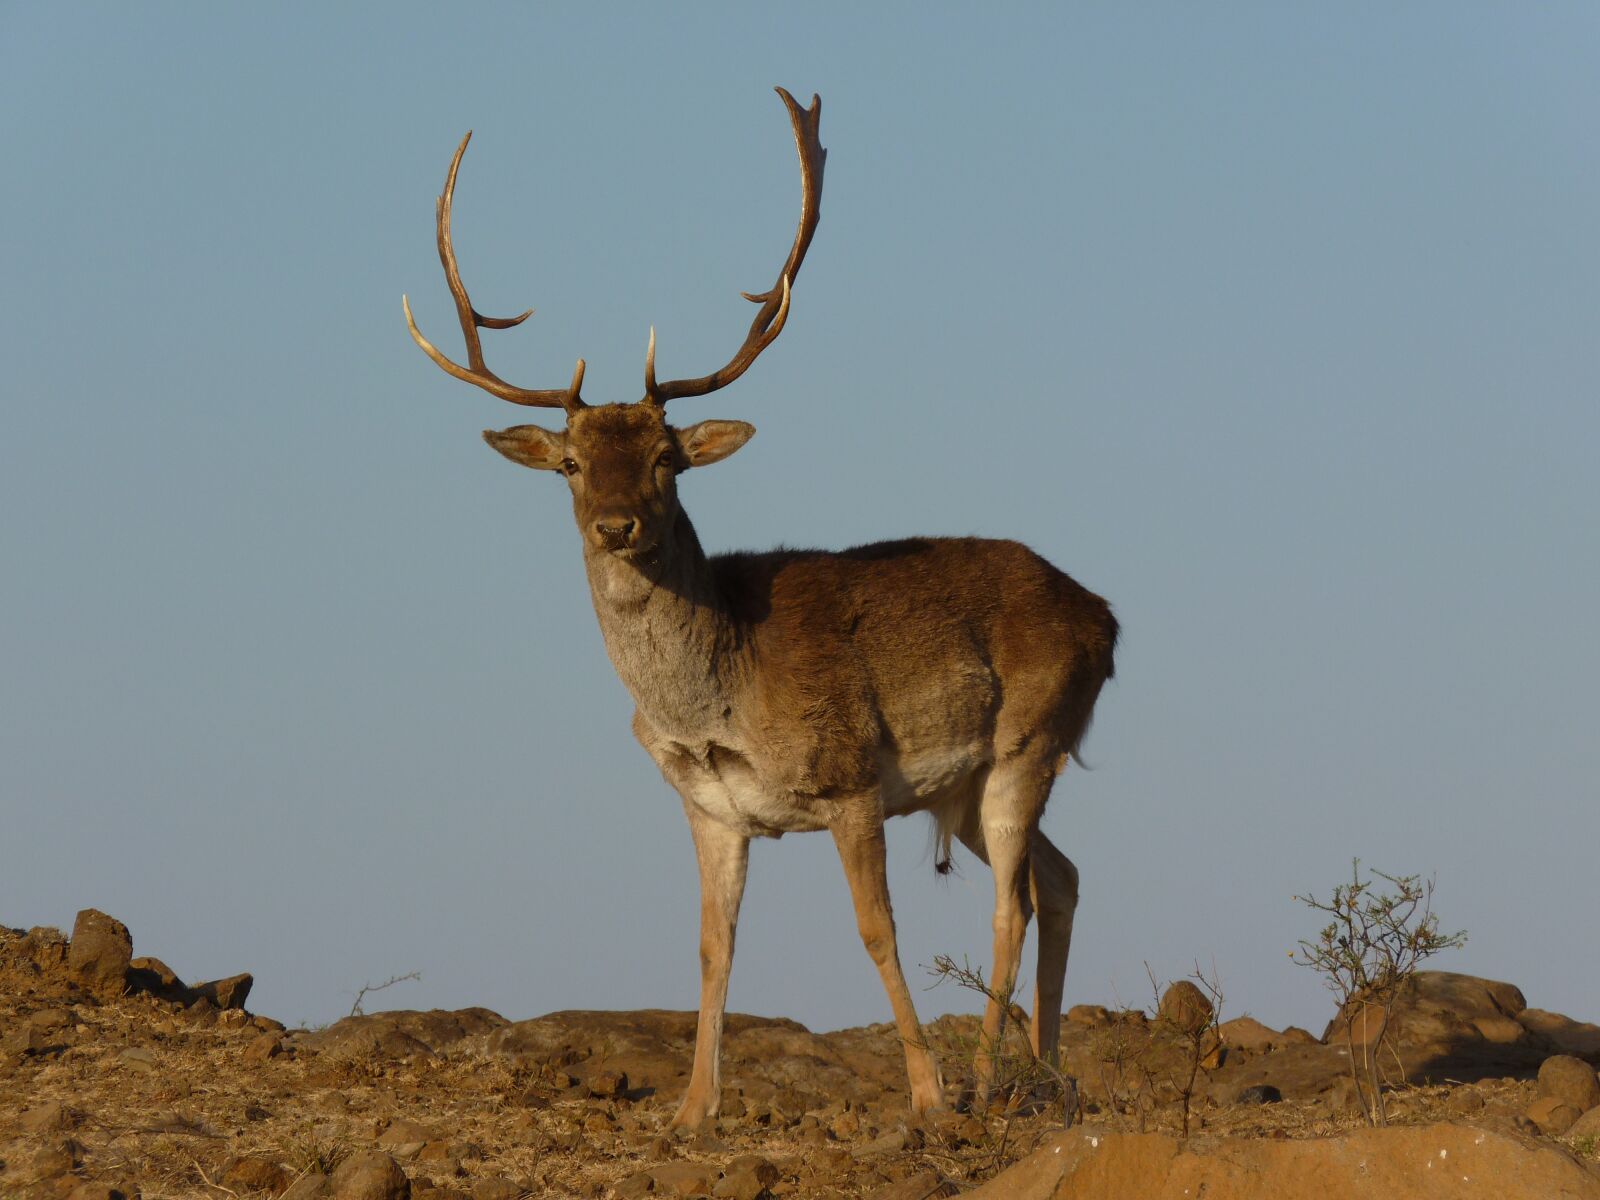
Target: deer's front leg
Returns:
[723, 855]
[858, 834]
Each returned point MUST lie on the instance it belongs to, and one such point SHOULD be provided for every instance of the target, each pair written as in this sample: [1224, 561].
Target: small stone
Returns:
[634, 1186]
[256, 1174]
[1465, 1101]
[100, 1191]
[923, 1186]
[684, 1178]
[267, 1024]
[138, 1058]
[311, 1186]
[1552, 1115]
[1261, 1093]
[1587, 1125]
[52, 1020]
[746, 1178]
[369, 1177]
[202, 1012]
[57, 1158]
[1186, 1006]
[26, 1040]
[1570, 1079]
[608, 1085]
[405, 1139]
[262, 1049]
[1088, 1014]
[100, 951]
[47, 946]
[46, 1118]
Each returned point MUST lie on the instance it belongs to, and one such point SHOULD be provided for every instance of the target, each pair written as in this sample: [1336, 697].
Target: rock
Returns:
[154, 977]
[229, 993]
[1185, 1006]
[684, 1178]
[1261, 1093]
[46, 946]
[1577, 1038]
[49, 1117]
[100, 1191]
[256, 1174]
[202, 1012]
[138, 1058]
[607, 1085]
[263, 1049]
[634, 1186]
[746, 1178]
[1552, 1115]
[405, 1139]
[1247, 1033]
[369, 1177]
[1587, 1125]
[27, 1040]
[1088, 1014]
[1502, 1031]
[1570, 1079]
[1449, 1026]
[57, 1157]
[311, 1186]
[923, 1186]
[1455, 1161]
[404, 1033]
[100, 952]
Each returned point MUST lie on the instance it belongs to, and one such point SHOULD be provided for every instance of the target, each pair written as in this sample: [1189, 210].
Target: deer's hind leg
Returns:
[1007, 822]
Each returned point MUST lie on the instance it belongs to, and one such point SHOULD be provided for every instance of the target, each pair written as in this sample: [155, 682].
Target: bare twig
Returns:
[355, 1009]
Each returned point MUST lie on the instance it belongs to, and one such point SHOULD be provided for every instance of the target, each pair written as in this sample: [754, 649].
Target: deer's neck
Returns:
[669, 634]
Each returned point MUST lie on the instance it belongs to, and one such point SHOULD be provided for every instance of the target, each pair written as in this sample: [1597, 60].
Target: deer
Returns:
[799, 690]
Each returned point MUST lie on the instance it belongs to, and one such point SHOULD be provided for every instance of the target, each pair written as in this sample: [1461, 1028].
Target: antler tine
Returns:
[774, 311]
[477, 372]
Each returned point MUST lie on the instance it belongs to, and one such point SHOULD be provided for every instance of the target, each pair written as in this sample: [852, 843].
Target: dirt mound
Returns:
[1448, 1161]
[115, 1076]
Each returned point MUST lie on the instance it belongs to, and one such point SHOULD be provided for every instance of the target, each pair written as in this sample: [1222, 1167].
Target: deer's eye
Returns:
[666, 459]
[568, 467]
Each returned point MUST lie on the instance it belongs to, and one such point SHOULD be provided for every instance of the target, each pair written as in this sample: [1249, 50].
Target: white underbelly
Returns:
[917, 779]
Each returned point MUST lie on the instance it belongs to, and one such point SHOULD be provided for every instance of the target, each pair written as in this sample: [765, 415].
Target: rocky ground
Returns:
[117, 1078]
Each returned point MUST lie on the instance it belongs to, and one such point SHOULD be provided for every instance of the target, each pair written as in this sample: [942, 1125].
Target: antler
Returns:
[774, 309]
[472, 320]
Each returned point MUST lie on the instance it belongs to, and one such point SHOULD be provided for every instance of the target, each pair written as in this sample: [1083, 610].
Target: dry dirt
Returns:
[115, 1077]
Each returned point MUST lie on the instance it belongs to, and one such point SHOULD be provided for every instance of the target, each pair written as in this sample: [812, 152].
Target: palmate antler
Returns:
[774, 311]
[471, 320]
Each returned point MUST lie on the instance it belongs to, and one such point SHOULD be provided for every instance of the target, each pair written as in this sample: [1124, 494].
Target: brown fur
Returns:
[805, 689]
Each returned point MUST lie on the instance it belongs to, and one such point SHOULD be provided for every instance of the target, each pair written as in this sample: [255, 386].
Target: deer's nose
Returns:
[615, 533]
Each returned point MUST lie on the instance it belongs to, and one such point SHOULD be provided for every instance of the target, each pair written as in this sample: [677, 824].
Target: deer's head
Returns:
[621, 461]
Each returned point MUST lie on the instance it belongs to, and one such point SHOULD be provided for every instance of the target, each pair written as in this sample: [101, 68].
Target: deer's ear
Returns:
[713, 441]
[528, 445]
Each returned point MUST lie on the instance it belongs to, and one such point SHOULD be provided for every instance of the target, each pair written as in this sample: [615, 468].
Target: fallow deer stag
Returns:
[800, 690]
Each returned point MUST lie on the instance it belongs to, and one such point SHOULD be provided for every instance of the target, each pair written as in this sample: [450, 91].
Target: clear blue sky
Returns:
[1275, 324]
